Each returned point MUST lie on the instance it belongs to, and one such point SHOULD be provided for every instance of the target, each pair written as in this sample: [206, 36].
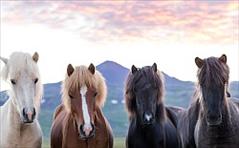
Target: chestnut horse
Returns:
[79, 121]
[152, 125]
[212, 120]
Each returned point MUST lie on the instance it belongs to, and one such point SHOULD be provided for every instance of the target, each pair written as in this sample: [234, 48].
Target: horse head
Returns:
[144, 91]
[21, 71]
[213, 75]
[82, 97]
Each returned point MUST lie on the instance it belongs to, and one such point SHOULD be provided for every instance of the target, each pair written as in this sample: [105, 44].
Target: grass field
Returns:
[118, 143]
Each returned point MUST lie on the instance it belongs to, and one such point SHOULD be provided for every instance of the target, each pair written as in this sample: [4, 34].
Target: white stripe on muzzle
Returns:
[87, 125]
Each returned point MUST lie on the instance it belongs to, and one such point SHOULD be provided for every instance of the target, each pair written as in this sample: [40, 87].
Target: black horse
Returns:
[212, 120]
[152, 125]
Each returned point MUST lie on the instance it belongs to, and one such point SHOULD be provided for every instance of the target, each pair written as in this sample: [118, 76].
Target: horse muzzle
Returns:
[214, 120]
[28, 115]
[86, 132]
[148, 119]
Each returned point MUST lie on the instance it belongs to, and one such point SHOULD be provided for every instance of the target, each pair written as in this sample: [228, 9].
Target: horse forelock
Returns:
[132, 79]
[213, 72]
[19, 61]
[82, 77]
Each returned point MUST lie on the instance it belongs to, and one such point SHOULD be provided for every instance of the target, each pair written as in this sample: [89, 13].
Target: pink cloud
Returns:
[194, 21]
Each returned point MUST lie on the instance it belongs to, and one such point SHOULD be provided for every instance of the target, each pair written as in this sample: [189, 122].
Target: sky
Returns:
[170, 33]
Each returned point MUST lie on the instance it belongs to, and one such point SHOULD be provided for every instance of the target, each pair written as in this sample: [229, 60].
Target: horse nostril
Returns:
[81, 130]
[34, 113]
[24, 113]
[93, 129]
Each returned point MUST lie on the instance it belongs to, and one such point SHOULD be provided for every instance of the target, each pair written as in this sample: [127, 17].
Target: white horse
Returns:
[19, 127]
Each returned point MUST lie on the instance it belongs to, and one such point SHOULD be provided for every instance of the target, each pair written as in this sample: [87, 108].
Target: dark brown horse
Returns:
[152, 125]
[212, 120]
[79, 121]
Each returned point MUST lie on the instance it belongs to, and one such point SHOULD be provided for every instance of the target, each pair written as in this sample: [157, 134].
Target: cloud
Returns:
[167, 21]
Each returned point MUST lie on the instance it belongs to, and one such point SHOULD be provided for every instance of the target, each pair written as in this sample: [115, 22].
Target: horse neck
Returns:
[231, 112]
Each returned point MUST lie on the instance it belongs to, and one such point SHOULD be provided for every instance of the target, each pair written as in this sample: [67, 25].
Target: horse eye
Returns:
[71, 96]
[36, 80]
[14, 82]
[95, 94]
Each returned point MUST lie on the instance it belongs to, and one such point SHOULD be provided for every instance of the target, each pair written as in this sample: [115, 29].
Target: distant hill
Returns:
[177, 93]
[114, 73]
[3, 97]
[52, 95]
[234, 89]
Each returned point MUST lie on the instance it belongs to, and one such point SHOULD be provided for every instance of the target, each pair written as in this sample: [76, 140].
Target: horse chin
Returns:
[147, 124]
[26, 122]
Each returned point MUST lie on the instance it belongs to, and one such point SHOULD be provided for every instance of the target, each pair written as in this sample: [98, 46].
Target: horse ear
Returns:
[70, 69]
[223, 58]
[154, 67]
[35, 57]
[199, 62]
[5, 60]
[134, 69]
[91, 68]
[5, 68]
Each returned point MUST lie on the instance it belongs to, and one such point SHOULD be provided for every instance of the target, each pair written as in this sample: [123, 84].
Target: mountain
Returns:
[177, 93]
[234, 85]
[114, 73]
[234, 88]
[3, 97]
[52, 95]
[172, 81]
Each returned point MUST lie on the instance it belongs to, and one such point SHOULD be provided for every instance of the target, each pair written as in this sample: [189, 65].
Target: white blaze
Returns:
[148, 117]
[87, 126]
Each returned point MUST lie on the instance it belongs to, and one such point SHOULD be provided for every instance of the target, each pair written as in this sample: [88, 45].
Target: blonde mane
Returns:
[82, 76]
[18, 62]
